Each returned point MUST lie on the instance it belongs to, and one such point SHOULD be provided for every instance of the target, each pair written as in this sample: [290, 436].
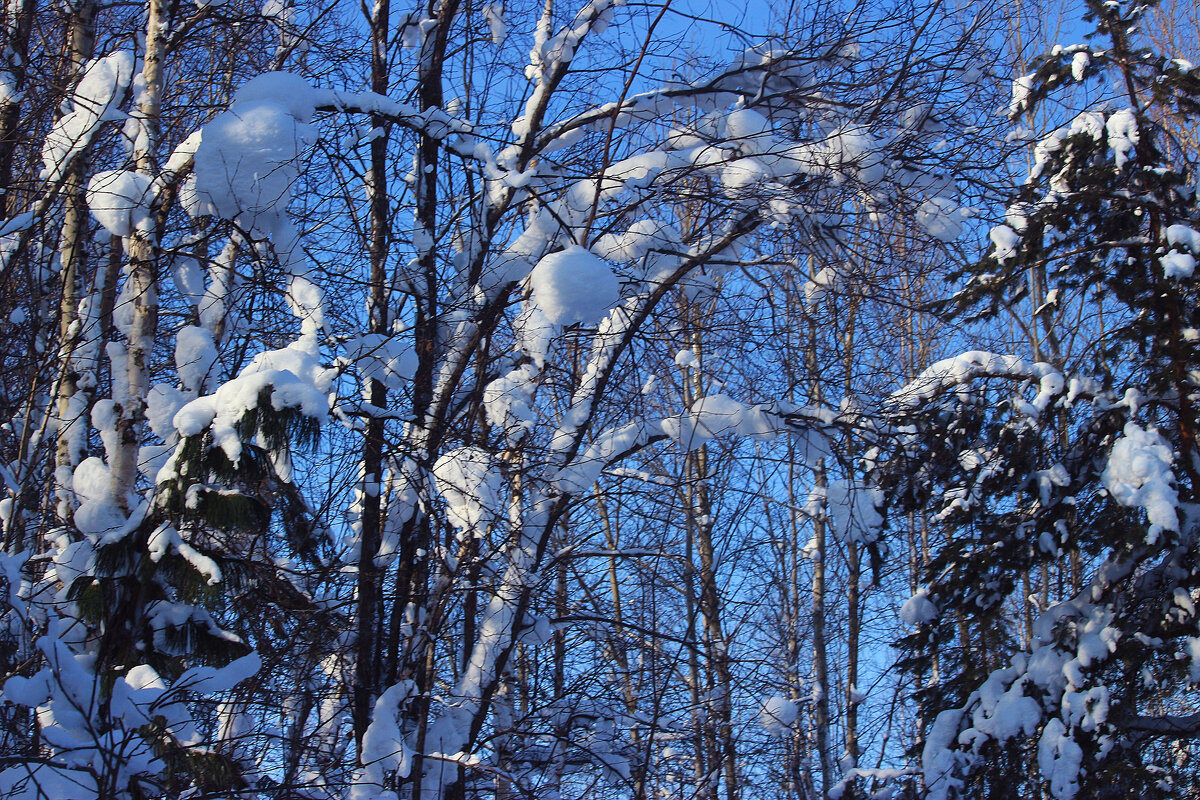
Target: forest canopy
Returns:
[550, 401]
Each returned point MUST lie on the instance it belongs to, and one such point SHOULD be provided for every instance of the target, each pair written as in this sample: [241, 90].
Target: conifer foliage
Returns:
[1065, 489]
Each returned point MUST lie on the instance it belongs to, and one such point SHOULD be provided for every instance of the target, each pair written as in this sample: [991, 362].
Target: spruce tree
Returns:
[1076, 480]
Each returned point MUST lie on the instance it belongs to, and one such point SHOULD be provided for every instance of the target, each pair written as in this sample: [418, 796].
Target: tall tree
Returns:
[1021, 464]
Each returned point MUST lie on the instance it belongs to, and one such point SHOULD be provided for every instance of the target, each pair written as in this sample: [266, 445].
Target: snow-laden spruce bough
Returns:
[175, 582]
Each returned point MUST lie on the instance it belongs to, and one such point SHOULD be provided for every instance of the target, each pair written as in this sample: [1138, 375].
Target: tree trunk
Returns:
[369, 604]
[821, 721]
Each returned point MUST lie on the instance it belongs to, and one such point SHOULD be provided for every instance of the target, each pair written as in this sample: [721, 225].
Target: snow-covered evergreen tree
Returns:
[1071, 488]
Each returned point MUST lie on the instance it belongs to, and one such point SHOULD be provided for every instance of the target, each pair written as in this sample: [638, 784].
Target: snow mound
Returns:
[1138, 475]
[1184, 236]
[572, 286]
[195, 355]
[119, 200]
[918, 609]
[777, 715]
[1123, 135]
[1006, 241]
[249, 156]
[941, 218]
[471, 487]
[854, 510]
[1178, 265]
[293, 377]
[95, 100]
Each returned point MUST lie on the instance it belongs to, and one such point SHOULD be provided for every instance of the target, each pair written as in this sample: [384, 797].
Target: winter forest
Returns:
[599, 400]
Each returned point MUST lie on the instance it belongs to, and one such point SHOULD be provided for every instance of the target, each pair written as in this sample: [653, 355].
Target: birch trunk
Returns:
[821, 721]
[72, 415]
[368, 656]
[141, 287]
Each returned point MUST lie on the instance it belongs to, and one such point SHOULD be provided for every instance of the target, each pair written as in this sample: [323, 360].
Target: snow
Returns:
[1021, 88]
[1191, 644]
[189, 278]
[508, 401]
[387, 359]
[1138, 475]
[249, 157]
[120, 200]
[750, 131]
[573, 286]
[212, 303]
[1046, 664]
[1047, 479]
[1178, 265]
[31, 691]
[960, 370]
[939, 761]
[279, 10]
[1088, 123]
[1184, 236]
[1050, 386]
[8, 88]
[1086, 710]
[584, 470]
[165, 538]
[384, 748]
[740, 177]
[1046, 147]
[1006, 242]
[162, 404]
[746, 123]
[710, 416]
[687, 359]
[1079, 64]
[92, 480]
[292, 376]
[305, 298]
[550, 52]
[1123, 135]
[1004, 710]
[777, 715]
[534, 332]
[247, 167]
[1096, 641]
[38, 781]
[195, 355]
[853, 509]
[1059, 758]
[471, 486]
[493, 14]
[287, 89]
[918, 609]
[826, 280]
[95, 100]
[211, 680]
[720, 415]
[98, 513]
[942, 218]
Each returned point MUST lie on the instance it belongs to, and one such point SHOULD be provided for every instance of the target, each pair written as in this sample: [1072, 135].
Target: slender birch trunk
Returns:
[369, 655]
[821, 720]
[72, 415]
[141, 287]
